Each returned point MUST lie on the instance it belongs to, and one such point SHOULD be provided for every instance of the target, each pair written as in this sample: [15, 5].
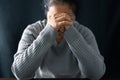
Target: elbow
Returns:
[19, 74]
[16, 72]
[98, 72]
[101, 72]
[98, 75]
[98, 69]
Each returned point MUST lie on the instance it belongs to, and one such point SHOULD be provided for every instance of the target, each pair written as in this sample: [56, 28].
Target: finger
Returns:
[68, 23]
[64, 23]
[60, 14]
[64, 16]
[63, 19]
[61, 24]
[57, 15]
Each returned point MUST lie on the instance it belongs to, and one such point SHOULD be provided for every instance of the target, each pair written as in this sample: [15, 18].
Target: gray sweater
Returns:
[39, 55]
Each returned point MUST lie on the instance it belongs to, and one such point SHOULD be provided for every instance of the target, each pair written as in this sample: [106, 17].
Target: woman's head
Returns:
[61, 6]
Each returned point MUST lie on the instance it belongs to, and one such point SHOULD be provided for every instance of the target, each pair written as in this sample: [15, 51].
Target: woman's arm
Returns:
[31, 51]
[84, 47]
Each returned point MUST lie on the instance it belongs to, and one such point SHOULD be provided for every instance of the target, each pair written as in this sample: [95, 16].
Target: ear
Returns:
[48, 15]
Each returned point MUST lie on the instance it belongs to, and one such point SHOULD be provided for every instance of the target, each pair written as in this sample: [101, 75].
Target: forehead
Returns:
[60, 8]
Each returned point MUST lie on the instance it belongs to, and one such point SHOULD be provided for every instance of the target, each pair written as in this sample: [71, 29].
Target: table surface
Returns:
[7, 79]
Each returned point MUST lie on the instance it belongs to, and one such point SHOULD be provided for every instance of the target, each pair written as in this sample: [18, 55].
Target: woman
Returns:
[58, 47]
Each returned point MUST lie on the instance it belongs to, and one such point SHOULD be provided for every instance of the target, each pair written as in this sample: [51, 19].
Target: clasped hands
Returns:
[60, 22]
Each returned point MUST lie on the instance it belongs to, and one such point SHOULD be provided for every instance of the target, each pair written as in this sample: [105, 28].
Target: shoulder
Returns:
[84, 30]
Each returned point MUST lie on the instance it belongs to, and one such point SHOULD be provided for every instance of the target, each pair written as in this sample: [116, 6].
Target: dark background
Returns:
[101, 16]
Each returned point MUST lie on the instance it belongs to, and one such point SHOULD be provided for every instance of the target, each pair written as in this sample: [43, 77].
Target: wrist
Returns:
[62, 30]
[53, 27]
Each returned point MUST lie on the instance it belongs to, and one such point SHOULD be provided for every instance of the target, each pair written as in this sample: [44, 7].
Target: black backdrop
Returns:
[101, 16]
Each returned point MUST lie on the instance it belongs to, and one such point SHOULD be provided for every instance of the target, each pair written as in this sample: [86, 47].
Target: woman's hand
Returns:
[60, 22]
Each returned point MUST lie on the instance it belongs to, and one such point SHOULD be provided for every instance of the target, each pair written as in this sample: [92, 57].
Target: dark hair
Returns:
[74, 3]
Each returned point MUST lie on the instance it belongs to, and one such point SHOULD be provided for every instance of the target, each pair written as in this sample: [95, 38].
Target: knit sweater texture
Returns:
[39, 55]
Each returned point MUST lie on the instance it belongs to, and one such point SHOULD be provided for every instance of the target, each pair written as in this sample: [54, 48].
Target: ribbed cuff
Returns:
[71, 34]
[48, 33]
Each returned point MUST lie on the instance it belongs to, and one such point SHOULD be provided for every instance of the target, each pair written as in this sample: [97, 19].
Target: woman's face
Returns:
[61, 8]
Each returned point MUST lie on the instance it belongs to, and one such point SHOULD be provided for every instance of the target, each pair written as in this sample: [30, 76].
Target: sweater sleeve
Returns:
[84, 47]
[31, 51]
